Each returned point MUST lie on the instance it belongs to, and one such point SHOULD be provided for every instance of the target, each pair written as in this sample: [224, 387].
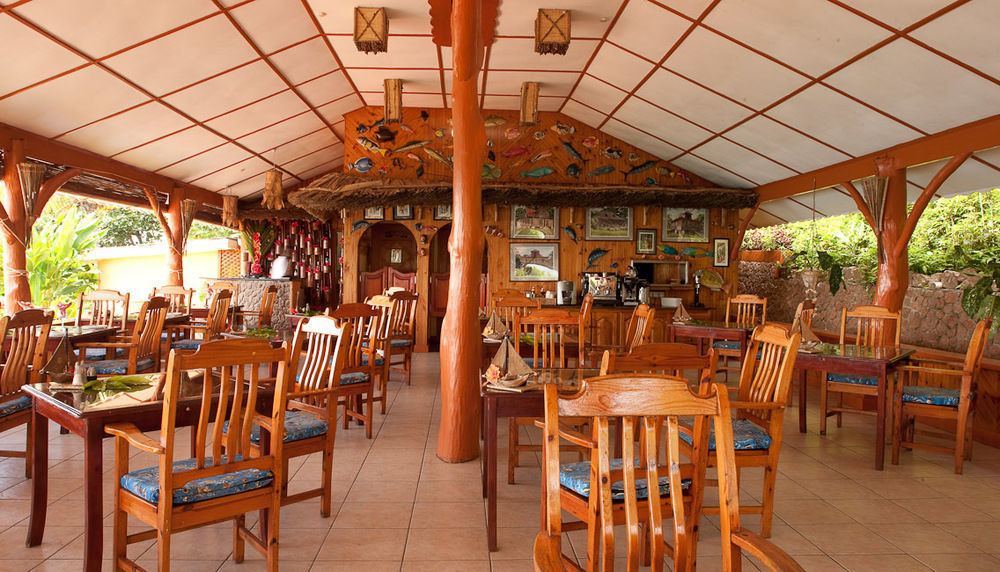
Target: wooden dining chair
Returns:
[805, 311]
[512, 308]
[178, 298]
[606, 492]
[744, 310]
[28, 331]
[638, 332]
[666, 358]
[875, 327]
[211, 328]
[141, 347]
[107, 308]
[400, 333]
[177, 495]
[316, 364]
[582, 337]
[759, 413]
[265, 314]
[362, 364]
[939, 390]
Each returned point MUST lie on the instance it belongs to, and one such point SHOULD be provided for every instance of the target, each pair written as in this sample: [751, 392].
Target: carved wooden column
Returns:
[458, 439]
[175, 238]
[14, 227]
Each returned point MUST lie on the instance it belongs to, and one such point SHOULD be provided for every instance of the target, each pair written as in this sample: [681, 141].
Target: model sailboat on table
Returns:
[59, 368]
[508, 371]
[681, 315]
[495, 328]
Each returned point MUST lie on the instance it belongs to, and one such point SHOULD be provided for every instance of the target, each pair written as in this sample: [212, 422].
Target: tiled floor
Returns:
[397, 507]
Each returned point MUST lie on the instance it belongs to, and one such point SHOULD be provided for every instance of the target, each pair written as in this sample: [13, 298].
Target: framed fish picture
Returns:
[534, 262]
[402, 212]
[374, 213]
[609, 223]
[442, 212]
[534, 222]
[645, 241]
[684, 225]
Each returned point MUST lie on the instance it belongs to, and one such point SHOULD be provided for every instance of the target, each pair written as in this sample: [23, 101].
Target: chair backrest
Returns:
[805, 311]
[667, 358]
[404, 310]
[876, 326]
[230, 392]
[977, 347]
[766, 374]
[364, 325]
[265, 318]
[547, 329]
[511, 308]
[586, 307]
[107, 308]
[317, 357]
[178, 297]
[148, 327]
[645, 403]
[639, 327]
[29, 332]
[218, 313]
[219, 285]
[746, 310]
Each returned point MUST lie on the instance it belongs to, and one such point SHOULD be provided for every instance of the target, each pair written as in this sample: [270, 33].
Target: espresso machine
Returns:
[566, 293]
[604, 286]
[634, 290]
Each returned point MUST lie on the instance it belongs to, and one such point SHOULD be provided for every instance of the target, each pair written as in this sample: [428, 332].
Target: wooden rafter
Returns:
[925, 197]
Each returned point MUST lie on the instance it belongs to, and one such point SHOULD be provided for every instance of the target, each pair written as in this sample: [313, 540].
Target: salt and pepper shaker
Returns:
[79, 374]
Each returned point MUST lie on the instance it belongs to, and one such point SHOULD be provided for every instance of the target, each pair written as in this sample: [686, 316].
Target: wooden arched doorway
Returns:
[387, 257]
[439, 266]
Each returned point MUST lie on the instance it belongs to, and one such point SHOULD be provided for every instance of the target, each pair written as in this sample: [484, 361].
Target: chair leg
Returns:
[271, 540]
[823, 397]
[163, 551]
[29, 443]
[370, 414]
[512, 444]
[960, 432]
[119, 548]
[239, 545]
[897, 427]
[327, 484]
[407, 363]
[767, 500]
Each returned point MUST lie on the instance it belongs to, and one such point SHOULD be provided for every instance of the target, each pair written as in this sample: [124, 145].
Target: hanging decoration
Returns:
[529, 103]
[258, 238]
[371, 30]
[188, 209]
[393, 100]
[873, 191]
[274, 194]
[32, 175]
[230, 211]
[552, 31]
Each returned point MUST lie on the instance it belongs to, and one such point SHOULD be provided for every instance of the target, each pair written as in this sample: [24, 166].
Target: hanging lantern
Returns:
[32, 175]
[529, 103]
[552, 31]
[274, 198]
[230, 211]
[371, 30]
[393, 100]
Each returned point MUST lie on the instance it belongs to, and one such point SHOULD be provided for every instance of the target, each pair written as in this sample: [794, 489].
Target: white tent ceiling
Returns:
[741, 92]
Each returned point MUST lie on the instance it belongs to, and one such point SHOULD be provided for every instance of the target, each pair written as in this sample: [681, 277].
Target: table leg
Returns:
[93, 496]
[802, 400]
[39, 479]
[490, 464]
[880, 421]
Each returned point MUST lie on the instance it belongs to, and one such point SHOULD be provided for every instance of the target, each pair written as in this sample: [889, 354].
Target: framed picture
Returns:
[374, 213]
[534, 262]
[609, 223]
[396, 256]
[645, 241]
[402, 212]
[721, 250]
[684, 225]
[534, 222]
[442, 212]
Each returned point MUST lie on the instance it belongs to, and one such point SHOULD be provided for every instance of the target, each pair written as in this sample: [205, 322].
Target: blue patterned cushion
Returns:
[101, 353]
[931, 395]
[118, 366]
[399, 343]
[353, 377]
[145, 483]
[15, 405]
[187, 344]
[747, 436]
[576, 477]
[853, 379]
[298, 426]
[726, 345]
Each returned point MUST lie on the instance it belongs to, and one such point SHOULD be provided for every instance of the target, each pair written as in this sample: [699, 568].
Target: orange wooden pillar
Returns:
[15, 275]
[458, 438]
[175, 238]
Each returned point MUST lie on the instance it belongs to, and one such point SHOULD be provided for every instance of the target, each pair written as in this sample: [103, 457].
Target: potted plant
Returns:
[814, 265]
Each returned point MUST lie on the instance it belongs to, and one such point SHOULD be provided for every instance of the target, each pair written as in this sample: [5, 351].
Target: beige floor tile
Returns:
[865, 562]
[960, 562]
[845, 539]
[808, 511]
[513, 565]
[899, 488]
[382, 491]
[922, 539]
[446, 544]
[363, 544]
[467, 490]
[15, 565]
[438, 566]
[366, 565]
[56, 538]
[985, 537]
[944, 510]
[294, 545]
[872, 511]
[842, 488]
[448, 515]
[818, 563]
[373, 515]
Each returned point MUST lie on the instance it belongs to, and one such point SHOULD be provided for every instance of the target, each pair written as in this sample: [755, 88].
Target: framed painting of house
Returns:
[684, 225]
[534, 222]
[534, 262]
[374, 213]
[442, 212]
[609, 223]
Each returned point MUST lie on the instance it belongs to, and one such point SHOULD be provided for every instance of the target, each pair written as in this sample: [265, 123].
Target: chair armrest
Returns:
[931, 370]
[571, 435]
[755, 405]
[136, 438]
[939, 362]
[765, 551]
[546, 553]
[105, 345]
[264, 421]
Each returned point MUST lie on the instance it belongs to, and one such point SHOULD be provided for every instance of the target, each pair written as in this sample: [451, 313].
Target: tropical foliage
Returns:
[56, 270]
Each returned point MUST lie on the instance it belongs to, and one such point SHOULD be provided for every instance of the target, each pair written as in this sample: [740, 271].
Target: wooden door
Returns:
[397, 279]
[372, 284]
[438, 295]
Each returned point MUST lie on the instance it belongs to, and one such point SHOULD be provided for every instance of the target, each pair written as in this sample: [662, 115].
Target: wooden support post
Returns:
[15, 274]
[175, 238]
[458, 438]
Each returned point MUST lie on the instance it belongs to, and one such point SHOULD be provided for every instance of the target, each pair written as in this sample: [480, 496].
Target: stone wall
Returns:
[252, 291]
[932, 312]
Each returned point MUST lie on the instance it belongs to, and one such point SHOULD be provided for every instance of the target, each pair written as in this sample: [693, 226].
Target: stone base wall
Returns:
[932, 312]
[251, 293]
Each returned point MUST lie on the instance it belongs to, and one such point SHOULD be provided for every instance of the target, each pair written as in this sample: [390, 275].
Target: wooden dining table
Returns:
[78, 335]
[712, 330]
[851, 359]
[86, 414]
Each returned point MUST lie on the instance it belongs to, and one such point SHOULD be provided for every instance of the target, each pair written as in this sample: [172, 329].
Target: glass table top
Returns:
[114, 396]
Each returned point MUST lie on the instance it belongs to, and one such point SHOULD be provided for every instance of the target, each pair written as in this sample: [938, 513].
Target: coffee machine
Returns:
[604, 286]
[566, 293]
[633, 289]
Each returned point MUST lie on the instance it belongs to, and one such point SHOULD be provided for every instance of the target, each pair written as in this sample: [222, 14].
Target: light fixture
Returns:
[552, 31]
[230, 210]
[529, 103]
[393, 100]
[32, 175]
[371, 30]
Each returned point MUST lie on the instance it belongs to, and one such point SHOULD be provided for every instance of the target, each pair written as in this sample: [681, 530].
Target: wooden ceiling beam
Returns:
[45, 149]
[968, 138]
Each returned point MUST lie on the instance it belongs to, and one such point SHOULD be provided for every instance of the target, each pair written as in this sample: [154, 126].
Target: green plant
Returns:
[982, 299]
[819, 260]
[59, 241]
